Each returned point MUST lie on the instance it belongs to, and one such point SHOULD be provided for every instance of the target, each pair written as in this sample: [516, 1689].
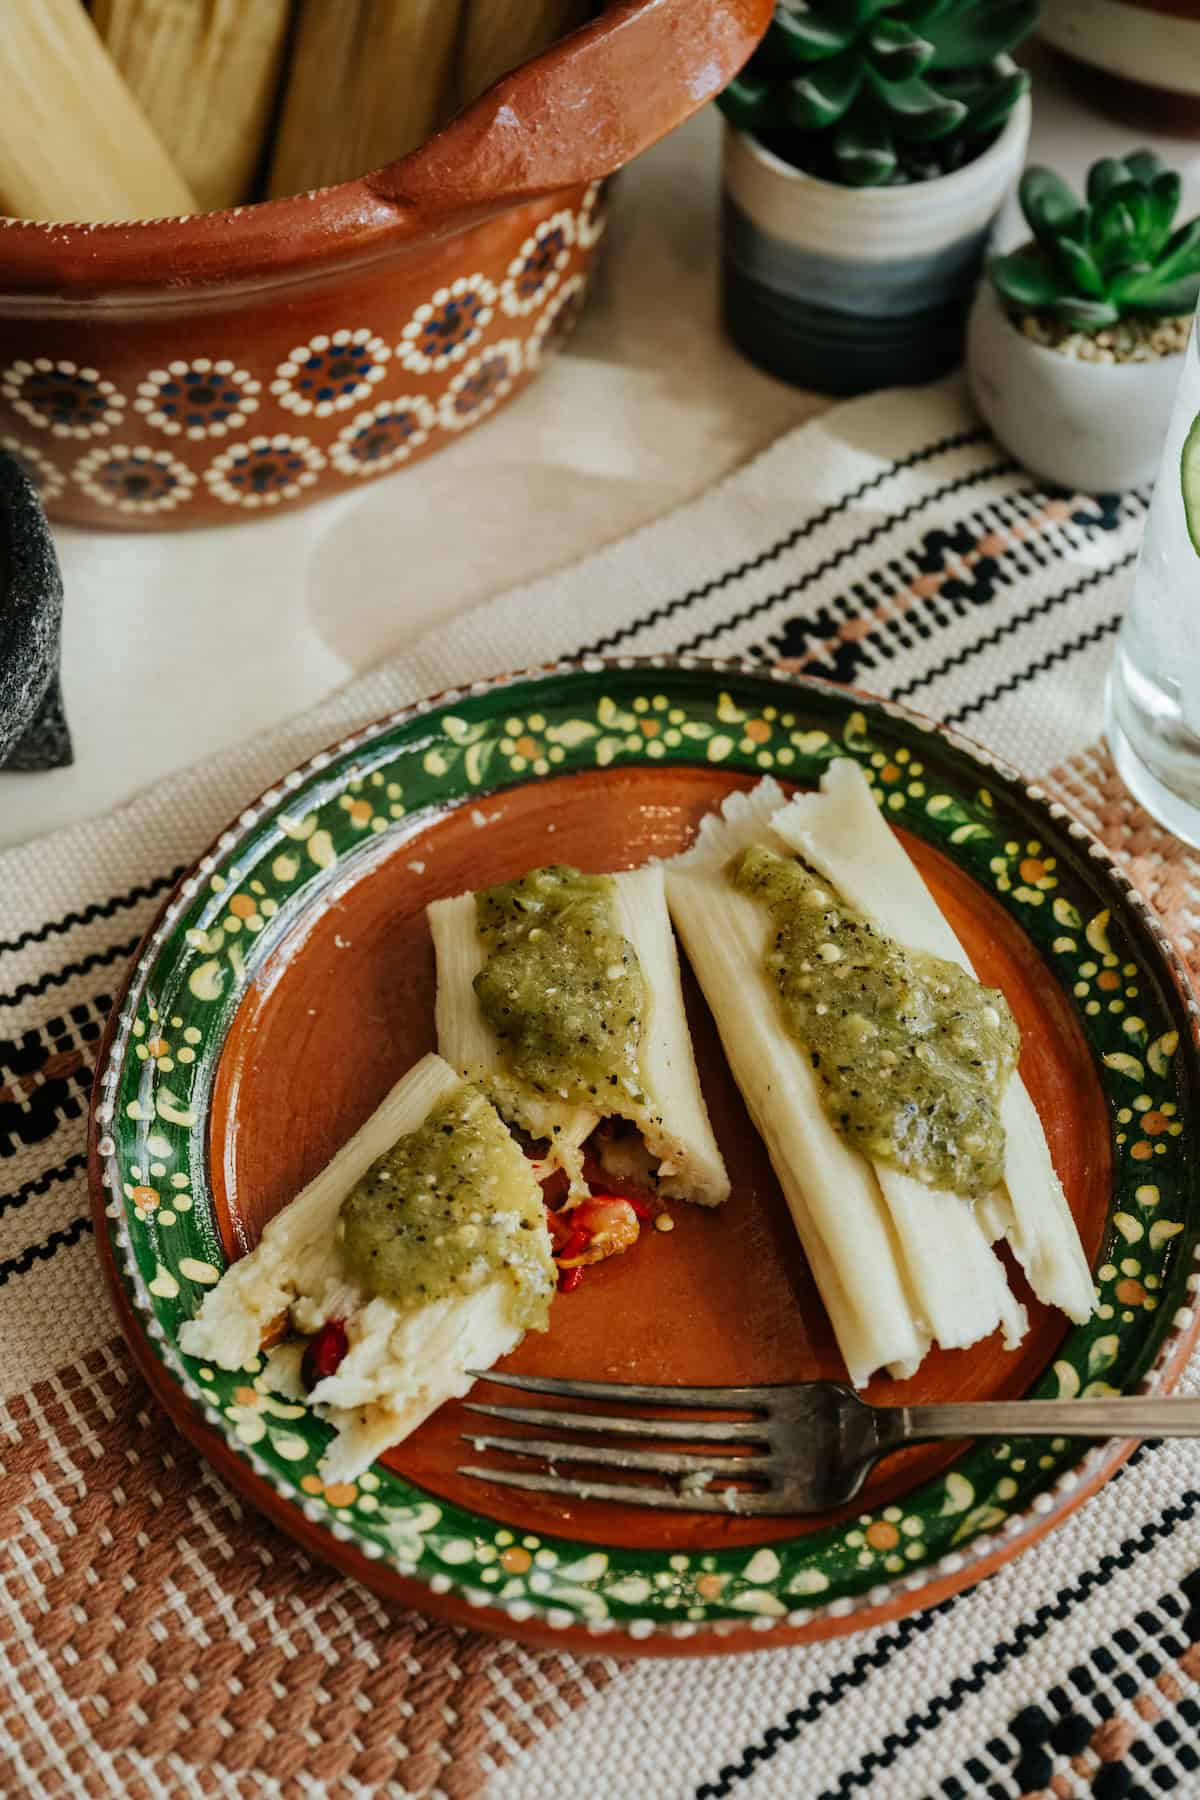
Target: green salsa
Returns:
[912, 1055]
[450, 1206]
[562, 988]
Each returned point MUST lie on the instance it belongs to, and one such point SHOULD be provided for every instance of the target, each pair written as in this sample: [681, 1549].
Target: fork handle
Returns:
[1134, 1416]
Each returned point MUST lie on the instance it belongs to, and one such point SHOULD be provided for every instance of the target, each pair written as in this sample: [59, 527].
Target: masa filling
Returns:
[562, 988]
[448, 1208]
[911, 1053]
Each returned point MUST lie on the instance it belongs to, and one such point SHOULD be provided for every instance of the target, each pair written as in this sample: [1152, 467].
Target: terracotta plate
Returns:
[289, 983]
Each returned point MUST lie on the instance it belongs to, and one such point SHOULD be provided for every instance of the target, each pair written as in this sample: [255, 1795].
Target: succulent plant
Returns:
[1091, 265]
[856, 86]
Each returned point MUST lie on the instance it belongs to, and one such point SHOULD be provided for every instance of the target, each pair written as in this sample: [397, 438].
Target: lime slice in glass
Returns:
[1189, 474]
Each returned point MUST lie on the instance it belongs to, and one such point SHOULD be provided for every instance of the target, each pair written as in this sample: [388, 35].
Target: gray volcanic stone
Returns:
[33, 730]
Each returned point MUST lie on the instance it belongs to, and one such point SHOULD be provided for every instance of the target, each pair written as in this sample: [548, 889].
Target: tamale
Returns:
[74, 144]
[368, 81]
[205, 73]
[499, 35]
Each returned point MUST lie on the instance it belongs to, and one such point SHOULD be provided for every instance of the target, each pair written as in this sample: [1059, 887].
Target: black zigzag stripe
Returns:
[957, 441]
[100, 909]
[1060, 654]
[41, 1184]
[48, 1248]
[99, 959]
[1018, 622]
[1005, 1652]
[835, 560]
[888, 1646]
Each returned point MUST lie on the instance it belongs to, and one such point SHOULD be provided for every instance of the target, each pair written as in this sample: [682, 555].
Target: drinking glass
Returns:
[1153, 700]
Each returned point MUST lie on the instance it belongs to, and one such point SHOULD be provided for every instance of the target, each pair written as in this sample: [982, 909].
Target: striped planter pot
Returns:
[1137, 59]
[842, 289]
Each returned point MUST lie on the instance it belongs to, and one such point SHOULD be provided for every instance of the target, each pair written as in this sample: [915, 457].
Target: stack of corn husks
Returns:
[144, 108]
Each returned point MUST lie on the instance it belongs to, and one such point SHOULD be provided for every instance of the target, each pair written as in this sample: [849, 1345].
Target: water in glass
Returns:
[1154, 687]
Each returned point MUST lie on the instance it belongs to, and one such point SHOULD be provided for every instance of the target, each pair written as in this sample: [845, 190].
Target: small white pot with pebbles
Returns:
[1076, 341]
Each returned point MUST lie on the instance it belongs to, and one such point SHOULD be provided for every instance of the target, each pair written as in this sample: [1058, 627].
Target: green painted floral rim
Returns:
[349, 804]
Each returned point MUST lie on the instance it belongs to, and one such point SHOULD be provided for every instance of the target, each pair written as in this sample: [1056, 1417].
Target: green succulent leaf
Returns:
[799, 33]
[1167, 300]
[1143, 165]
[1182, 253]
[1103, 177]
[824, 93]
[1027, 279]
[1115, 234]
[1086, 315]
[864, 149]
[1048, 204]
[1166, 191]
[1116, 256]
[896, 50]
[751, 101]
[1080, 266]
[965, 35]
[989, 104]
[919, 111]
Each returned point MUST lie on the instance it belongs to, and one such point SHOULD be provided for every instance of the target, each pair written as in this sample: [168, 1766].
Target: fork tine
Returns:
[708, 1431]
[659, 1462]
[632, 1494]
[744, 1399]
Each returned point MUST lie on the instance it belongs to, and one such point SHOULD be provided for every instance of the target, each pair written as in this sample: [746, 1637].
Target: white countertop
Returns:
[181, 643]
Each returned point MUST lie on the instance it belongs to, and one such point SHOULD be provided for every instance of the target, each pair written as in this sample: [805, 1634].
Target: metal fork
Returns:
[805, 1447]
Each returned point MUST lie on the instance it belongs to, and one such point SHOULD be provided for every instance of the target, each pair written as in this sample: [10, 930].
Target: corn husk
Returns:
[369, 80]
[499, 35]
[401, 1364]
[205, 73]
[74, 144]
[841, 833]
[898, 1264]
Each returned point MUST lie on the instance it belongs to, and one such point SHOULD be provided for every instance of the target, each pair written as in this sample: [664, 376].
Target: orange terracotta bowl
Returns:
[194, 371]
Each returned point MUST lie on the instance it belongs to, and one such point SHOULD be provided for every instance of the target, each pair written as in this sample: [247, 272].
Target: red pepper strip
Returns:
[576, 1244]
[324, 1352]
[569, 1280]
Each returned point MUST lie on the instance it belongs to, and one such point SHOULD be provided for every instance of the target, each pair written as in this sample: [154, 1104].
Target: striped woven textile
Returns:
[155, 1640]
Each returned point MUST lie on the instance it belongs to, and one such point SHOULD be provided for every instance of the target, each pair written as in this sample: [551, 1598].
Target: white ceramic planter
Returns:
[843, 289]
[1096, 427]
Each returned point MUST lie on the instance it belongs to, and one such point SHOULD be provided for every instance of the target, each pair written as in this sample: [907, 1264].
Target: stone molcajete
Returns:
[33, 731]
[213, 368]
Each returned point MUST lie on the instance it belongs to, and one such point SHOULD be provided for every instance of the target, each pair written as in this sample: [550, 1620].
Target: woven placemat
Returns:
[155, 1640]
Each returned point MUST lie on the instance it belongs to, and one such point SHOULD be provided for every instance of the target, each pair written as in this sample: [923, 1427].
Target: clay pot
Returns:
[1136, 59]
[33, 732]
[200, 370]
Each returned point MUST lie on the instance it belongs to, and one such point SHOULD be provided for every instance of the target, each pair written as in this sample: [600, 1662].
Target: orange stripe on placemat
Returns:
[1166, 871]
[149, 1625]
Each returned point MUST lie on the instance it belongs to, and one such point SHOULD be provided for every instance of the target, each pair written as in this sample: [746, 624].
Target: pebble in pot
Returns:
[869, 147]
[1076, 341]
[33, 731]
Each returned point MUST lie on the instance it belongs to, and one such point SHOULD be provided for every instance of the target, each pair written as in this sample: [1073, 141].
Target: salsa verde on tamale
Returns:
[562, 988]
[912, 1055]
[446, 1209]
